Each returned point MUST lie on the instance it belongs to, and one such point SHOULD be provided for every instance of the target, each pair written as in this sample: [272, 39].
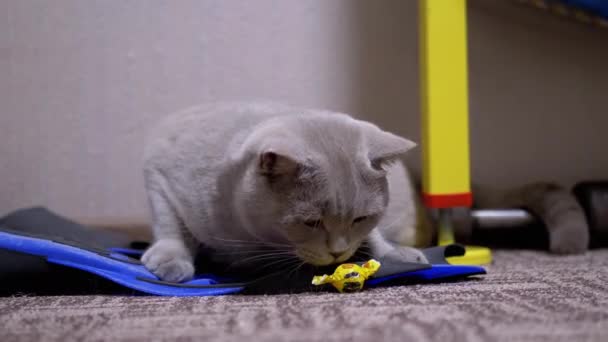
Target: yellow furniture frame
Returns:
[445, 116]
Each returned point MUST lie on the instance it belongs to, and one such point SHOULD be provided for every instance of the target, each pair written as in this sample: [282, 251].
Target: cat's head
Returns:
[319, 183]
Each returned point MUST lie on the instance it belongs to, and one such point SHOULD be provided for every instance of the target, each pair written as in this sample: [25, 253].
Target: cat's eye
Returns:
[360, 219]
[313, 223]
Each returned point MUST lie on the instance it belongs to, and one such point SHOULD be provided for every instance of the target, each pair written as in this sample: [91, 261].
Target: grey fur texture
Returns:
[308, 184]
[560, 212]
[555, 206]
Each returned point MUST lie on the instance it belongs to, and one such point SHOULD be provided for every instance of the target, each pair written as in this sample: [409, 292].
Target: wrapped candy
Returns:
[349, 277]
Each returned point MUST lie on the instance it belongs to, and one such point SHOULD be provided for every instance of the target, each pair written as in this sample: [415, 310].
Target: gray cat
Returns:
[308, 184]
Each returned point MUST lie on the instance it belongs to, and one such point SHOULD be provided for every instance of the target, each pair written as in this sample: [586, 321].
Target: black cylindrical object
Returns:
[593, 197]
[503, 228]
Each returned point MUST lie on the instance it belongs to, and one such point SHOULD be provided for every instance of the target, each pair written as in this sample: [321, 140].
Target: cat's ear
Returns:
[273, 164]
[385, 148]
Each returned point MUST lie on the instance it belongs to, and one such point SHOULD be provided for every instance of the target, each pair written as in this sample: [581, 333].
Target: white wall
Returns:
[81, 81]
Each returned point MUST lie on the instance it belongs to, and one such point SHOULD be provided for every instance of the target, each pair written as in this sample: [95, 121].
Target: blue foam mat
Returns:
[117, 266]
[597, 7]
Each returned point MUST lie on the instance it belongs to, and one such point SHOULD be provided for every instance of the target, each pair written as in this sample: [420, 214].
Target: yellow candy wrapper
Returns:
[349, 277]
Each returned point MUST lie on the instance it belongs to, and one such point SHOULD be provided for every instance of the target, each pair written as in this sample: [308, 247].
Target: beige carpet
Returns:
[527, 296]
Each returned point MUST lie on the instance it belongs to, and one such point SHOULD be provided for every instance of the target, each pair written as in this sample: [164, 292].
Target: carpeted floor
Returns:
[529, 296]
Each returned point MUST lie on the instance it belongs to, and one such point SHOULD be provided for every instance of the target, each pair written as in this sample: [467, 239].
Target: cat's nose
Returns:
[336, 255]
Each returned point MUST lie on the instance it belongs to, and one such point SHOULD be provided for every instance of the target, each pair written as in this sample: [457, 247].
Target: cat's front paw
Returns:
[406, 254]
[169, 260]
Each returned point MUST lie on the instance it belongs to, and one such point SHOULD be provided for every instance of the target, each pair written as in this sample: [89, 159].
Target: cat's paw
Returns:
[169, 260]
[569, 237]
[406, 254]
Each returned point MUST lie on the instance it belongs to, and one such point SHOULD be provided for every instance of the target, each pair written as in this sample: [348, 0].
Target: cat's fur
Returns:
[315, 183]
[555, 206]
[561, 214]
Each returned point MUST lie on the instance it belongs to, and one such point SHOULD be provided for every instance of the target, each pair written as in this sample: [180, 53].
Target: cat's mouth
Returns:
[316, 259]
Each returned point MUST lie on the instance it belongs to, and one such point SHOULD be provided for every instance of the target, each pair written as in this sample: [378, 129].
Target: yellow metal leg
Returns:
[474, 255]
[445, 115]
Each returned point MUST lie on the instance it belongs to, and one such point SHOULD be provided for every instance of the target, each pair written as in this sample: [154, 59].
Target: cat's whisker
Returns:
[242, 253]
[254, 263]
[236, 242]
[365, 253]
[226, 248]
[294, 261]
[294, 271]
[279, 264]
[245, 250]
[251, 251]
[258, 258]
[277, 254]
[250, 243]
[264, 256]
[275, 263]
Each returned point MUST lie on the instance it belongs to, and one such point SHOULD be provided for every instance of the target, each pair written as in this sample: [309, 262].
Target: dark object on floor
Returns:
[594, 12]
[593, 197]
[37, 242]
